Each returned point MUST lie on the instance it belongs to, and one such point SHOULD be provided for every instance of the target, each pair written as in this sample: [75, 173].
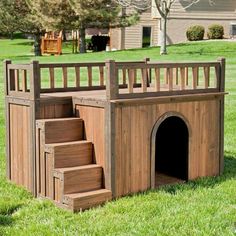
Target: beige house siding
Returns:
[219, 12]
[219, 9]
[131, 37]
[176, 28]
[202, 13]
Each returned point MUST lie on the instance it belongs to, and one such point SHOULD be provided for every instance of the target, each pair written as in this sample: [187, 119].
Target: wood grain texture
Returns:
[86, 200]
[55, 131]
[20, 158]
[94, 126]
[71, 154]
[134, 126]
[80, 179]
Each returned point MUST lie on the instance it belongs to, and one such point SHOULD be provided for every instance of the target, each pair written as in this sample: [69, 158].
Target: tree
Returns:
[79, 14]
[15, 15]
[99, 14]
[163, 8]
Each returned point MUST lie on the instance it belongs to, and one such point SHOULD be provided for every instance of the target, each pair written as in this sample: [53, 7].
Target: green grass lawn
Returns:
[203, 207]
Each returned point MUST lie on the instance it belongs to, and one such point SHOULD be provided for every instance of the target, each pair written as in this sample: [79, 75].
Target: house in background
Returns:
[146, 31]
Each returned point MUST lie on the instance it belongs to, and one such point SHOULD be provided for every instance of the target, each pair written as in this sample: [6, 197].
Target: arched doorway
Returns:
[171, 150]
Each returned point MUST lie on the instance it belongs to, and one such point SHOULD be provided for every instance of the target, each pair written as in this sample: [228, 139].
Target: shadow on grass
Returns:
[6, 212]
[206, 182]
[6, 220]
[27, 43]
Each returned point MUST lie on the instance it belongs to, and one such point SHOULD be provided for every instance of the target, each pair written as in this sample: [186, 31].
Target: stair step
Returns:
[78, 201]
[62, 129]
[69, 154]
[80, 178]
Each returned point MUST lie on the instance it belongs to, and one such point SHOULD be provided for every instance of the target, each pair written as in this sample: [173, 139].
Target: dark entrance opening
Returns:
[146, 37]
[171, 151]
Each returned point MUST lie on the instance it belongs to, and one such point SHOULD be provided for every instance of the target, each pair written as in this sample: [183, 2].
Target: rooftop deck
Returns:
[112, 80]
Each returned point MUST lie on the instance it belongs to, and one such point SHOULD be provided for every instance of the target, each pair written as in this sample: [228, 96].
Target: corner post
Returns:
[5, 72]
[35, 80]
[112, 83]
[7, 118]
[222, 101]
[35, 84]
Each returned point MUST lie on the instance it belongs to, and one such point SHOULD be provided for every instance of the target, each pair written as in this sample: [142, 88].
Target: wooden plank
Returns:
[157, 79]
[69, 154]
[80, 179]
[67, 65]
[72, 130]
[35, 80]
[101, 77]
[77, 77]
[170, 79]
[182, 75]
[206, 76]
[24, 80]
[144, 80]
[176, 75]
[221, 135]
[90, 76]
[52, 77]
[124, 76]
[6, 75]
[65, 77]
[186, 76]
[166, 75]
[217, 77]
[17, 80]
[195, 71]
[130, 80]
[112, 83]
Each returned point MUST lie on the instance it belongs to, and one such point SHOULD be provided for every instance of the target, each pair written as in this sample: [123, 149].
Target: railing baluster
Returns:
[65, 77]
[166, 75]
[144, 80]
[182, 74]
[206, 76]
[176, 75]
[170, 79]
[52, 77]
[131, 80]
[101, 77]
[195, 76]
[157, 79]
[77, 76]
[135, 76]
[217, 76]
[24, 80]
[17, 84]
[186, 76]
[124, 76]
[90, 79]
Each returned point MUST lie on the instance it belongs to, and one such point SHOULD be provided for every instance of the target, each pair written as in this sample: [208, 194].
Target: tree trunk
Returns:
[37, 45]
[64, 35]
[82, 40]
[163, 36]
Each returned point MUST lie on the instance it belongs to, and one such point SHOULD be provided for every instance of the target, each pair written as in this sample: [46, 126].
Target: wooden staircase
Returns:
[67, 172]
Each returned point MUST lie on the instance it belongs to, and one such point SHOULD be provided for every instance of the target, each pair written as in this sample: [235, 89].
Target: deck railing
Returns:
[159, 79]
[120, 79]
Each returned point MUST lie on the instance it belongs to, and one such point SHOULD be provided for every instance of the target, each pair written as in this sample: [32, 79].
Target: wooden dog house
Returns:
[110, 129]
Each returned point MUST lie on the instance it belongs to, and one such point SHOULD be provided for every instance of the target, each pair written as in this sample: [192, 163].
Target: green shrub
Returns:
[215, 32]
[195, 33]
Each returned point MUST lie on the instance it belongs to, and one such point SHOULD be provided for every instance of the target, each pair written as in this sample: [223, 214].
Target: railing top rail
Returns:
[18, 66]
[61, 65]
[141, 65]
